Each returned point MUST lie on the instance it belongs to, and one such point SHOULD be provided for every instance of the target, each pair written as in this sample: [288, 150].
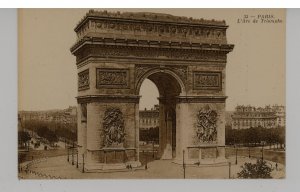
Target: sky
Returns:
[255, 71]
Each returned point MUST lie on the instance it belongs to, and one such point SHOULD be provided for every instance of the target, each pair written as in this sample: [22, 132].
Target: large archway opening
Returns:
[168, 88]
[148, 122]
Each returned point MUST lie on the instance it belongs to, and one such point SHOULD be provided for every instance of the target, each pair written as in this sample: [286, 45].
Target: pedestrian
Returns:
[276, 165]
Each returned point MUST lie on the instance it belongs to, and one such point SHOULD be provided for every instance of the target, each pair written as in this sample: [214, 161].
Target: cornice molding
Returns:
[150, 44]
[184, 52]
[201, 99]
[108, 99]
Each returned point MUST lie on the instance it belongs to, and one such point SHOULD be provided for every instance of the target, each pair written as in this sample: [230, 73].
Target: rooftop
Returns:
[149, 16]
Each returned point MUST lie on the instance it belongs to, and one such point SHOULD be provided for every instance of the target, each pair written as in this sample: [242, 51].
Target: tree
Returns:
[47, 134]
[51, 137]
[281, 138]
[23, 136]
[255, 135]
[258, 170]
[149, 135]
[229, 137]
[65, 130]
[66, 133]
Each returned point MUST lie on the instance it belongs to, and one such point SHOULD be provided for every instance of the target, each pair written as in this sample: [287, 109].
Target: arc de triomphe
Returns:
[184, 57]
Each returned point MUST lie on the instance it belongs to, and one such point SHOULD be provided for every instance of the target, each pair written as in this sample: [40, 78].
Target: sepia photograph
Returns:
[151, 94]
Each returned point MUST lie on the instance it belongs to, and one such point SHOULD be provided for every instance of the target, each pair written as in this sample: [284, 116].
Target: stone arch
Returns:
[112, 65]
[167, 71]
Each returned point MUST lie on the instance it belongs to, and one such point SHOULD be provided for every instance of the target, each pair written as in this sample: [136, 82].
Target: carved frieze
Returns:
[181, 71]
[153, 17]
[143, 27]
[83, 80]
[205, 34]
[207, 80]
[113, 128]
[112, 78]
[140, 70]
[151, 53]
[206, 126]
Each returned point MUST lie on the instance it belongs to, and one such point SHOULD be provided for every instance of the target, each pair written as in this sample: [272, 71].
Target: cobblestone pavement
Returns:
[59, 168]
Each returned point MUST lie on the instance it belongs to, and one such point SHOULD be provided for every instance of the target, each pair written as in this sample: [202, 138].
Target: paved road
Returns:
[158, 169]
[271, 155]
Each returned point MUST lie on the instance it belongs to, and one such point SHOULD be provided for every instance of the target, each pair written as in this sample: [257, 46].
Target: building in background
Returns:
[66, 116]
[149, 118]
[149, 125]
[280, 113]
[245, 117]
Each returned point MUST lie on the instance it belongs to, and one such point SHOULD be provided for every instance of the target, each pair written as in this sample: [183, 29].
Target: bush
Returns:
[258, 170]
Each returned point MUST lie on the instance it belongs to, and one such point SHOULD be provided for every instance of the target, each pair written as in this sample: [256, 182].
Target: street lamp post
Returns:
[153, 149]
[72, 156]
[229, 170]
[146, 166]
[249, 151]
[68, 154]
[236, 155]
[77, 159]
[183, 164]
[262, 152]
[82, 163]
[19, 165]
